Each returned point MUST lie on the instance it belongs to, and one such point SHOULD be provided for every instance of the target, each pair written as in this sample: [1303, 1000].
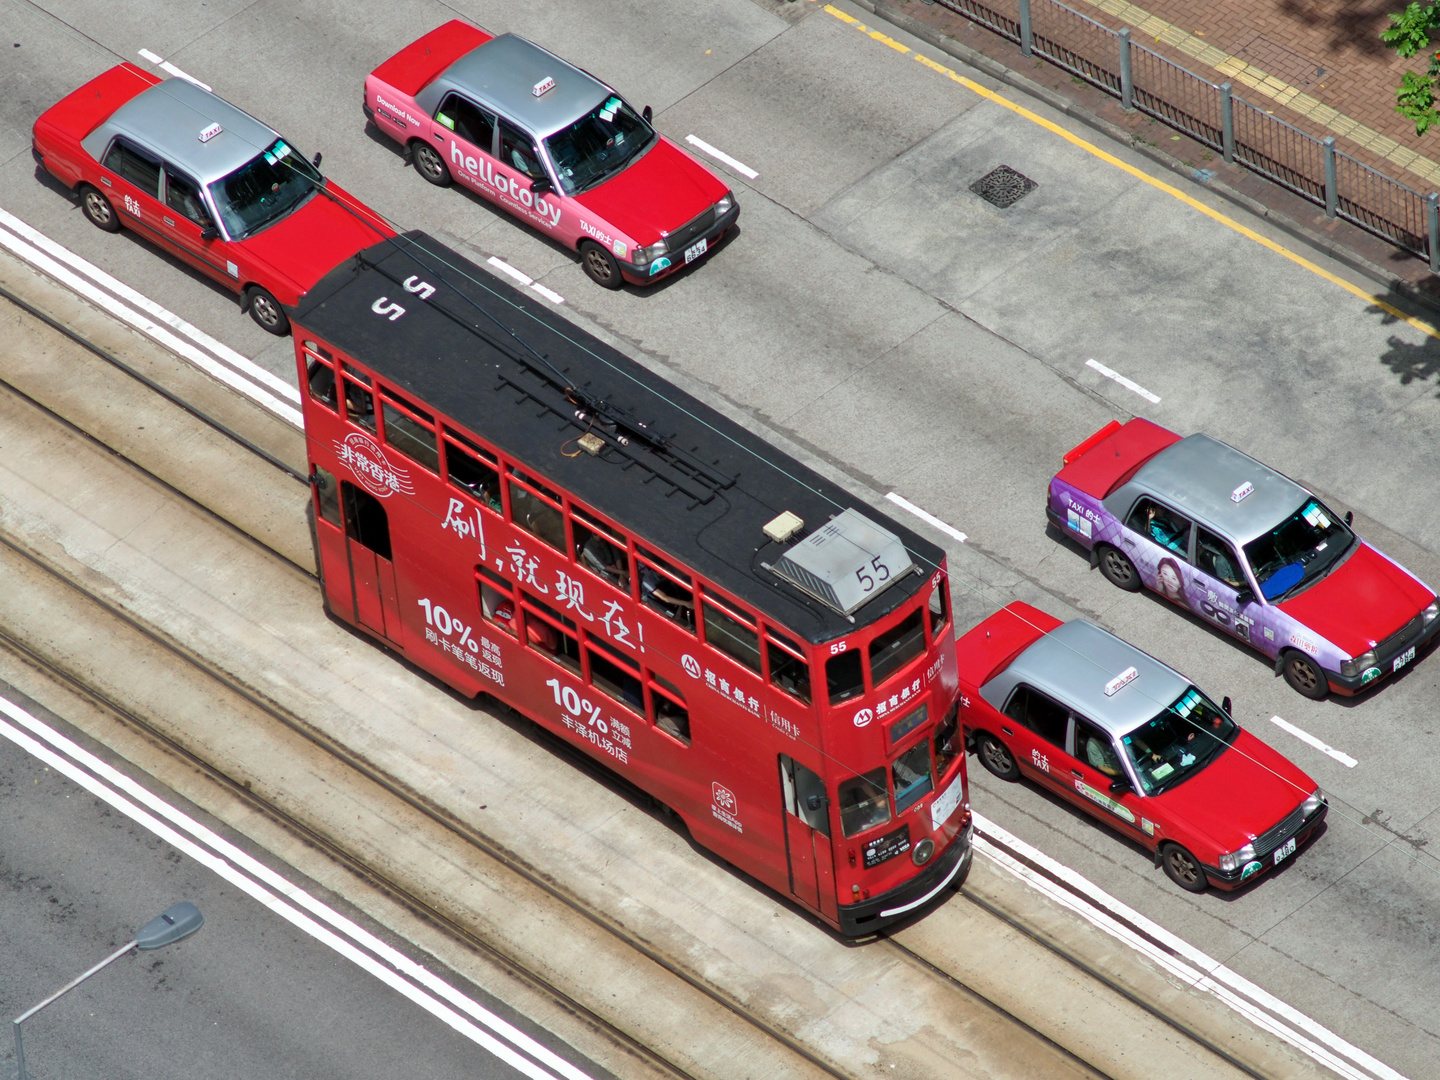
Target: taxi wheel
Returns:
[995, 757]
[600, 266]
[267, 312]
[429, 163]
[1304, 677]
[97, 208]
[1119, 570]
[1183, 869]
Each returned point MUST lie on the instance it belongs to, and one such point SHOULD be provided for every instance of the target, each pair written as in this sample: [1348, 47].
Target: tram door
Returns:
[372, 571]
[807, 836]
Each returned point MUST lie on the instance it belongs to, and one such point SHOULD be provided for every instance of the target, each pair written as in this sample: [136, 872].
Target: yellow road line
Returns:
[1139, 174]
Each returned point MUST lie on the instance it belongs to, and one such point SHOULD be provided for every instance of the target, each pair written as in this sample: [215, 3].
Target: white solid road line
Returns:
[138, 299]
[1176, 955]
[1305, 737]
[925, 516]
[224, 858]
[171, 69]
[206, 363]
[720, 155]
[1123, 381]
[525, 279]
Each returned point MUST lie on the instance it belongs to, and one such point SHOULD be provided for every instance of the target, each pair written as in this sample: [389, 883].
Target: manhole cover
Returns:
[1003, 187]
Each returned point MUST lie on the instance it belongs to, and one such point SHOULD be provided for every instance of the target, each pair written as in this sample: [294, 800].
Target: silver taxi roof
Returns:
[1201, 475]
[1075, 662]
[503, 73]
[167, 119]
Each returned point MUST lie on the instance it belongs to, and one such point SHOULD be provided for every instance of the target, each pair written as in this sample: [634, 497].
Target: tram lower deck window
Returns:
[668, 703]
[844, 676]
[948, 745]
[553, 636]
[615, 675]
[895, 648]
[864, 802]
[911, 771]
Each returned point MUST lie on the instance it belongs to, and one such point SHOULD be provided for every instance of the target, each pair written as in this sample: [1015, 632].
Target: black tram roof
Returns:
[685, 480]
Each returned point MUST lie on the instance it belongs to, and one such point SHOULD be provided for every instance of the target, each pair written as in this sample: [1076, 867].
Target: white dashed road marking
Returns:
[171, 69]
[720, 155]
[525, 279]
[1305, 737]
[1123, 381]
[925, 516]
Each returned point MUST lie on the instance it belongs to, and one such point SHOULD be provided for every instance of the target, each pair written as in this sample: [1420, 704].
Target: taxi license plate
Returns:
[695, 250]
[1285, 849]
[1403, 659]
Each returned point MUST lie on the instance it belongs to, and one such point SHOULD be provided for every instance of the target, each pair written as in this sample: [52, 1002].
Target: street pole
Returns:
[19, 1043]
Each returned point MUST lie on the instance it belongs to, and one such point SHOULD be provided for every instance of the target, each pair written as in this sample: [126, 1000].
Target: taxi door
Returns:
[131, 177]
[1216, 582]
[1157, 540]
[516, 173]
[464, 136]
[184, 218]
[1035, 733]
[1094, 764]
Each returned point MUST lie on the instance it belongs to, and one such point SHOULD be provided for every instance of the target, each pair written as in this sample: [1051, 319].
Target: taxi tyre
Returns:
[429, 164]
[1304, 677]
[266, 311]
[1183, 868]
[995, 756]
[600, 266]
[95, 206]
[1118, 569]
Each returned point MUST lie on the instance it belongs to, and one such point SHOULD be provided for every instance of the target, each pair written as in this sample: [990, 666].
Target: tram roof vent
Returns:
[846, 562]
[783, 527]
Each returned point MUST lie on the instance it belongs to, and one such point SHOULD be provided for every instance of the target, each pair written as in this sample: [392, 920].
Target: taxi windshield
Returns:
[263, 190]
[1179, 742]
[1298, 551]
[598, 146]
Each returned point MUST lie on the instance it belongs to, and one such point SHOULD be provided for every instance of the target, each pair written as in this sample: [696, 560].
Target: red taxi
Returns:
[1134, 743]
[207, 182]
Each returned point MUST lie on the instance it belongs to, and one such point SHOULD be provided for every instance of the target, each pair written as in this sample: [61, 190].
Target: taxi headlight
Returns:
[724, 205]
[1428, 615]
[1351, 668]
[644, 255]
[1313, 802]
[1232, 861]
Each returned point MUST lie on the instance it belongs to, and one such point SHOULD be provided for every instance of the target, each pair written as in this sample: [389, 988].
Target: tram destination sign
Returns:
[846, 562]
[884, 848]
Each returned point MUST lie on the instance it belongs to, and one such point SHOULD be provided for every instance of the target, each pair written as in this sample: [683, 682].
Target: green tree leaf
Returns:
[1411, 29]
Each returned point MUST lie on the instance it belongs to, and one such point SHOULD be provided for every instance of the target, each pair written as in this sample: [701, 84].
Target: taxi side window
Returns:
[1162, 525]
[1095, 748]
[1217, 558]
[183, 196]
[469, 122]
[136, 166]
[517, 150]
[1046, 718]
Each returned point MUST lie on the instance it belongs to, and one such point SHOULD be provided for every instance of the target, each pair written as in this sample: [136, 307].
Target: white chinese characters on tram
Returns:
[784, 725]
[724, 807]
[571, 593]
[369, 465]
[480, 655]
[615, 626]
[525, 566]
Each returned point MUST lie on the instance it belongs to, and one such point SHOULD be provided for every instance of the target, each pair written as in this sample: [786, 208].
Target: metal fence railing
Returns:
[1212, 114]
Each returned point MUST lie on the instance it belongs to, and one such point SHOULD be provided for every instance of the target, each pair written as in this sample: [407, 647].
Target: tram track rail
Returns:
[417, 801]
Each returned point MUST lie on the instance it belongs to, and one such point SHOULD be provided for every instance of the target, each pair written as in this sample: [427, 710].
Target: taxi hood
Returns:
[663, 190]
[305, 245]
[1246, 790]
[1362, 601]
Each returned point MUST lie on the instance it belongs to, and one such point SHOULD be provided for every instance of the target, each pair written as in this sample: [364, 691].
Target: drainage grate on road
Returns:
[1003, 187]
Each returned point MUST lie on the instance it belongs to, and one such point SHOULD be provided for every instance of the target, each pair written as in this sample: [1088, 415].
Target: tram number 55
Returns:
[879, 567]
[569, 700]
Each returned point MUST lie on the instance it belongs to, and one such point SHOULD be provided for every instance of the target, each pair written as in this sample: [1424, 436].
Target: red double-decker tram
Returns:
[522, 510]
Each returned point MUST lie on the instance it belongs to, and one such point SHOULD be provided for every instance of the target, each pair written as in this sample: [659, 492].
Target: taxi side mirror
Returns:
[1120, 787]
[646, 114]
[541, 186]
[209, 232]
[1349, 517]
[1245, 596]
[1225, 707]
[315, 161]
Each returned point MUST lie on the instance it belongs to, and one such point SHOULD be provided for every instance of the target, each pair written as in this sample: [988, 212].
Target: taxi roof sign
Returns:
[1241, 491]
[209, 132]
[543, 86]
[1125, 678]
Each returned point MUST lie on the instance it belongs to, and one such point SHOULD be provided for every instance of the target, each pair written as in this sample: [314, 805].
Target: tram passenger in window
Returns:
[322, 382]
[672, 719]
[488, 492]
[655, 590]
[537, 633]
[359, 405]
[603, 557]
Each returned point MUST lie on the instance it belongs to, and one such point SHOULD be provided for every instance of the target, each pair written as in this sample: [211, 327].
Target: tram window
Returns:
[725, 631]
[321, 378]
[329, 495]
[864, 802]
[600, 551]
[472, 470]
[788, 668]
[911, 771]
[948, 744]
[408, 435]
[616, 676]
[805, 795]
[555, 641]
[843, 676]
[365, 519]
[359, 404]
[667, 590]
[670, 714]
[895, 648]
[939, 607]
[497, 600]
[534, 514]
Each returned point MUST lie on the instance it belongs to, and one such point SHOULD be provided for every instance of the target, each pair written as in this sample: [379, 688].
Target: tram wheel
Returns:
[429, 164]
[1183, 868]
[97, 208]
[267, 312]
[600, 266]
[1303, 676]
[995, 756]
[1119, 570]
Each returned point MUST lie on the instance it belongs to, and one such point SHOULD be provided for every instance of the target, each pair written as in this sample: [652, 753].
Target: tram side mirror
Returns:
[315, 161]
[541, 187]
[1120, 787]
[1245, 596]
[1225, 707]
[209, 232]
[1349, 517]
[646, 113]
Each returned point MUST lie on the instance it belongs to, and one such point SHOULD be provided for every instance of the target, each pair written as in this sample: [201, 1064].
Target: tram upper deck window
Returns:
[536, 509]
[844, 676]
[667, 590]
[939, 607]
[896, 647]
[911, 771]
[472, 469]
[670, 714]
[615, 675]
[600, 550]
[410, 430]
[789, 669]
[864, 802]
[359, 402]
[320, 376]
[732, 633]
